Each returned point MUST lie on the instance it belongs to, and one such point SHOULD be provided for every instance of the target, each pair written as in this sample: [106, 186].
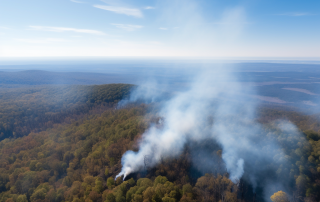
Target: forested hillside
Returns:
[76, 156]
[36, 108]
[40, 77]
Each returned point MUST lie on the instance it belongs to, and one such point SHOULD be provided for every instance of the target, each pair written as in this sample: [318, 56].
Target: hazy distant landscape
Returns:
[294, 85]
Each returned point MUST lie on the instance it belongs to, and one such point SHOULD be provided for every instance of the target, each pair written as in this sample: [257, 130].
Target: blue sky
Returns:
[164, 28]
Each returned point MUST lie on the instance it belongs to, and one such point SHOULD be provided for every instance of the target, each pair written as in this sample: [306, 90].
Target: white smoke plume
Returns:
[215, 108]
[146, 92]
[215, 93]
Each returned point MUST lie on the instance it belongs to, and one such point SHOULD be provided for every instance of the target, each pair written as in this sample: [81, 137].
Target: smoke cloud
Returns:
[220, 109]
[215, 108]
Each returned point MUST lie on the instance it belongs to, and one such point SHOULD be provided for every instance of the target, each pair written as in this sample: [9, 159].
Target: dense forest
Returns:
[35, 108]
[65, 143]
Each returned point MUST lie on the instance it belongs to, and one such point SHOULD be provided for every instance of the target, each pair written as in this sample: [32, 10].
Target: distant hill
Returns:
[39, 77]
[35, 108]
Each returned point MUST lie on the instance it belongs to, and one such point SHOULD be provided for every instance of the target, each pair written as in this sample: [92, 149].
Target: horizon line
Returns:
[158, 57]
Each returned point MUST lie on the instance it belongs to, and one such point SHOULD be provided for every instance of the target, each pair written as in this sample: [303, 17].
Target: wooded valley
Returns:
[65, 143]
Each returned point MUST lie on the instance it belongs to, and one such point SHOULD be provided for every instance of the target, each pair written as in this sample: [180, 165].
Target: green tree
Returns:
[22, 198]
[110, 198]
[98, 185]
[106, 172]
[39, 194]
[110, 182]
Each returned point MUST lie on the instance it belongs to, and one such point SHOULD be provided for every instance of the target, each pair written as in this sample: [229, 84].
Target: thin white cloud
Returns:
[75, 1]
[307, 102]
[300, 90]
[122, 10]
[295, 14]
[4, 28]
[128, 28]
[149, 7]
[163, 28]
[41, 41]
[66, 29]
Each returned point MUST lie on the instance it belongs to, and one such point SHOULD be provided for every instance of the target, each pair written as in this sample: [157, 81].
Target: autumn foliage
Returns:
[73, 152]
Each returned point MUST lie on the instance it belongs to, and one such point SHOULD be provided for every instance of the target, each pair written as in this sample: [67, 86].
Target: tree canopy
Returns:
[65, 143]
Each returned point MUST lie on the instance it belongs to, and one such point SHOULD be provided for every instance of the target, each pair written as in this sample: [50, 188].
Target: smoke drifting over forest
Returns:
[216, 108]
